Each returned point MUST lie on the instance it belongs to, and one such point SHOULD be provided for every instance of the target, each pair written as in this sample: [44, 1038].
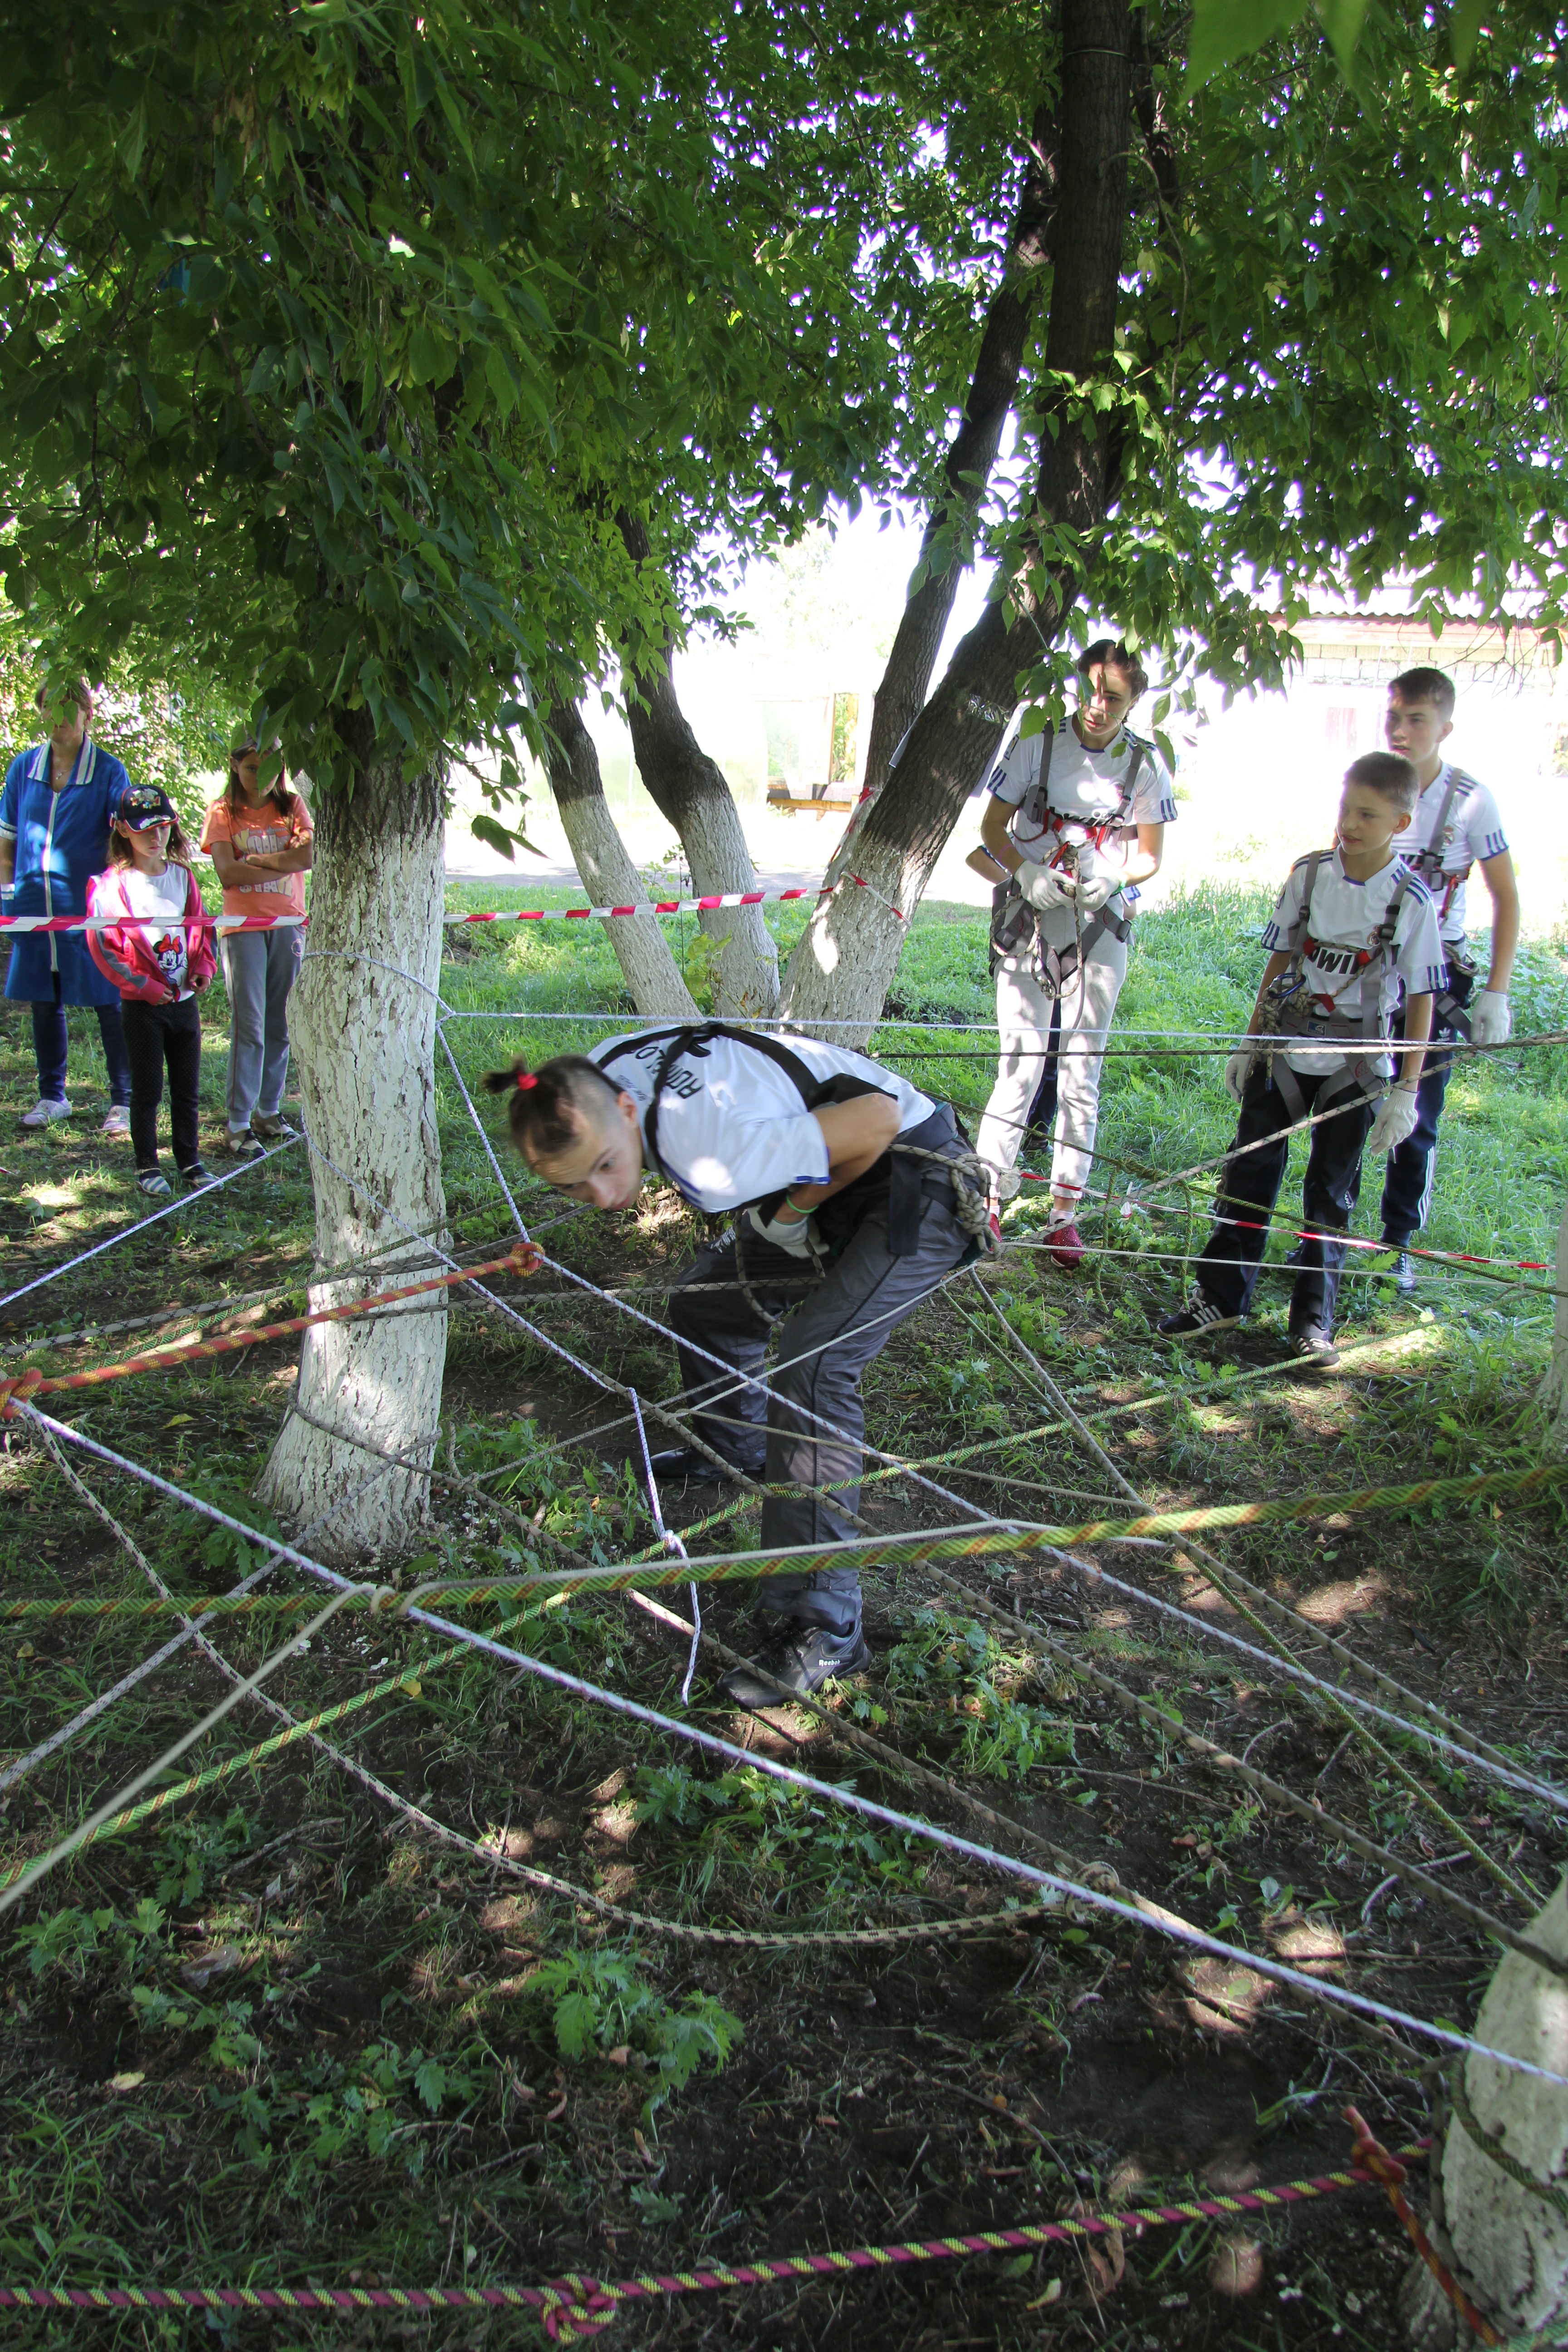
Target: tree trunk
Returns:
[1509, 2244]
[607, 873]
[691, 792]
[1554, 1387]
[362, 1023]
[842, 966]
[947, 547]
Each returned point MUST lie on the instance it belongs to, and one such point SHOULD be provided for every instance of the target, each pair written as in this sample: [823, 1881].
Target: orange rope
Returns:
[521, 1259]
[1372, 2160]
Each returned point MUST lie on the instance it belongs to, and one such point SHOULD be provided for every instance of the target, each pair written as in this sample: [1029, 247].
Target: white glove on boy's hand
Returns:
[1491, 1019]
[1395, 1121]
[795, 1235]
[1237, 1070]
[1046, 886]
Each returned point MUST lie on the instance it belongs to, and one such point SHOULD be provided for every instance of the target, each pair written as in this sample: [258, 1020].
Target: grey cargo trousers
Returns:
[841, 1324]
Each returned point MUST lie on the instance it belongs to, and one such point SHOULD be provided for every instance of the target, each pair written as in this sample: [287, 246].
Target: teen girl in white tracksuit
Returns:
[1077, 819]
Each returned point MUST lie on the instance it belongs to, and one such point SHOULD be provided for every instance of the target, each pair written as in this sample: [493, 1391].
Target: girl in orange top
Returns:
[258, 837]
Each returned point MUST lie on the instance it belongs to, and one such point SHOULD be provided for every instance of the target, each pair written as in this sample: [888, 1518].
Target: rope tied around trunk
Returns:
[1370, 2160]
[1490, 2146]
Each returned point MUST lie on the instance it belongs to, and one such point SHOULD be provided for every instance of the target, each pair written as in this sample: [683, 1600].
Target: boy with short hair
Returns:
[1456, 826]
[1349, 925]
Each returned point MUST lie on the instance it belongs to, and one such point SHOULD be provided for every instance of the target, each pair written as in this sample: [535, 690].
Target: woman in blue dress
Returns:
[55, 809]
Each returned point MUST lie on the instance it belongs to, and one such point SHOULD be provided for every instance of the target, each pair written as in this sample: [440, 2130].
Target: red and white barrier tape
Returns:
[495, 915]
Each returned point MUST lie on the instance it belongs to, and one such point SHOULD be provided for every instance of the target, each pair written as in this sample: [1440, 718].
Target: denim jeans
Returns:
[50, 1046]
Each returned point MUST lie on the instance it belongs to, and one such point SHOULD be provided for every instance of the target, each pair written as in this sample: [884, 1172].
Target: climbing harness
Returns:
[1015, 926]
[937, 1145]
[1290, 1009]
[1450, 1008]
[1443, 882]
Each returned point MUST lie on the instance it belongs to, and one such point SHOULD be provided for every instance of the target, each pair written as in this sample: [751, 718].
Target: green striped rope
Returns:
[907, 1549]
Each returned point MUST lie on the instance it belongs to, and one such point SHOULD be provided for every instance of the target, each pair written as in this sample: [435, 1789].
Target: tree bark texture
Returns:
[947, 547]
[845, 959]
[692, 793]
[607, 873]
[361, 1024]
[1508, 2243]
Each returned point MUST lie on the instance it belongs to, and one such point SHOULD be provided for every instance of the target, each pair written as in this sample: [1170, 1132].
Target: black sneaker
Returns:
[1315, 1345]
[683, 1465]
[1199, 1314]
[1401, 1273]
[801, 1659]
[195, 1175]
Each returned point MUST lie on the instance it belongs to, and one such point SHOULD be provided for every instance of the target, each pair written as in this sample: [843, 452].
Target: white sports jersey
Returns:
[1082, 789]
[1473, 832]
[733, 1126]
[1343, 925]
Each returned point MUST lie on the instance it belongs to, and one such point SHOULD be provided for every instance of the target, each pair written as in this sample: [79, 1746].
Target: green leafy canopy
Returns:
[333, 338]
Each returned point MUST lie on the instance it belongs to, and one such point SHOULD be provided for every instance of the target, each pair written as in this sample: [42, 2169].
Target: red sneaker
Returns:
[1065, 1243]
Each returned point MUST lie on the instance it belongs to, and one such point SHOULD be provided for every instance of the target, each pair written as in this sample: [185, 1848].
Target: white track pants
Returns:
[1024, 1014]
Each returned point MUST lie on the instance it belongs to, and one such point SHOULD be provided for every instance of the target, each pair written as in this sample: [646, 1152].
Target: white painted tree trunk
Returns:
[607, 873]
[1554, 1387]
[1509, 2247]
[844, 962]
[746, 965]
[692, 793]
[363, 1038]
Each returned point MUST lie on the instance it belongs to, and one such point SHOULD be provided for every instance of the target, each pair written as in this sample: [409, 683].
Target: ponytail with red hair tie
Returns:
[525, 1078]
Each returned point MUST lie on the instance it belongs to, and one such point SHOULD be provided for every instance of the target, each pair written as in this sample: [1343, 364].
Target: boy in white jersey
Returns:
[846, 1177]
[1350, 925]
[1456, 826]
[1076, 820]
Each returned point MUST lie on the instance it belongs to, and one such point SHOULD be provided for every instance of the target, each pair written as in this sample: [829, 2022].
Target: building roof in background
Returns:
[1373, 646]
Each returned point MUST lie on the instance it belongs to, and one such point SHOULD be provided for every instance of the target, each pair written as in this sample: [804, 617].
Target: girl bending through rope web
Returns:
[857, 1197]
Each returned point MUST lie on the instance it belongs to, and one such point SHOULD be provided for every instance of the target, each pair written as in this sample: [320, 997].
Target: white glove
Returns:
[795, 1235]
[1491, 1018]
[1394, 1123]
[1046, 886]
[1237, 1070]
[1098, 878]
[1095, 889]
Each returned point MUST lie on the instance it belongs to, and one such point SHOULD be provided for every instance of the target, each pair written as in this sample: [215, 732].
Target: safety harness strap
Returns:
[900, 1178]
[1014, 928]
[1428, 861]
[1287, 1010]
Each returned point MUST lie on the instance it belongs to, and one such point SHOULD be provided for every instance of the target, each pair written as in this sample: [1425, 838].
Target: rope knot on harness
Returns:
[971, 1181]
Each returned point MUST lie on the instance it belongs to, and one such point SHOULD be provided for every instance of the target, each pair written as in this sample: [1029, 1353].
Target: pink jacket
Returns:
[123, 956]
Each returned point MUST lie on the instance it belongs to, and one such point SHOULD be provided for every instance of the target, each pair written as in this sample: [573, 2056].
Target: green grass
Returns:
[418, 2069]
